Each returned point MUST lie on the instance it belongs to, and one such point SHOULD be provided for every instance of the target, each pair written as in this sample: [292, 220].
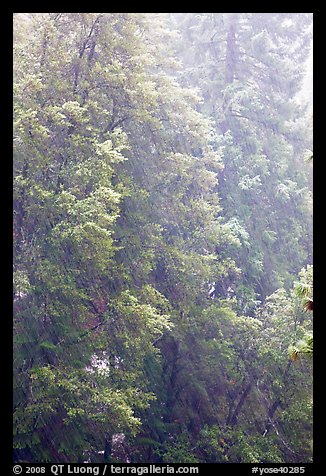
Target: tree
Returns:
[153, 213]
[93, 240]
[67, 302]
[249, 68]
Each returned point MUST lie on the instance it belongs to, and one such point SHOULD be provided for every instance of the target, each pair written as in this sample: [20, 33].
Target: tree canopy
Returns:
[162, 216]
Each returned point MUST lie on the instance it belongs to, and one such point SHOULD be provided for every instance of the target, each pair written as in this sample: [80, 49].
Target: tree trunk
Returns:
[230, 52]
[232, 419]
[108, 450]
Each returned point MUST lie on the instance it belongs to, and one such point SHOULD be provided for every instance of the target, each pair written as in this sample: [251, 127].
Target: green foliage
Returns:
[248, 69]
[303, 346]
[229, 446]
[160, 217]
[179, 449]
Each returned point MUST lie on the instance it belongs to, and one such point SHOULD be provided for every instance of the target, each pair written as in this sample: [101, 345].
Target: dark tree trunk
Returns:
[108, 450]
[233, 417]
[230, 53]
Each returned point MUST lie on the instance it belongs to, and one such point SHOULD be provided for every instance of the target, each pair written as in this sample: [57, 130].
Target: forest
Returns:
[162, 231]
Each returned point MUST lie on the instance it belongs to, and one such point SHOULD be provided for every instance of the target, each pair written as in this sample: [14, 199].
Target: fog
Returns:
[162, 238]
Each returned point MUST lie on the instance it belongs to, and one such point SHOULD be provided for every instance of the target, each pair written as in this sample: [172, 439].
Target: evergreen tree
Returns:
[160, 199]
[249, 68]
